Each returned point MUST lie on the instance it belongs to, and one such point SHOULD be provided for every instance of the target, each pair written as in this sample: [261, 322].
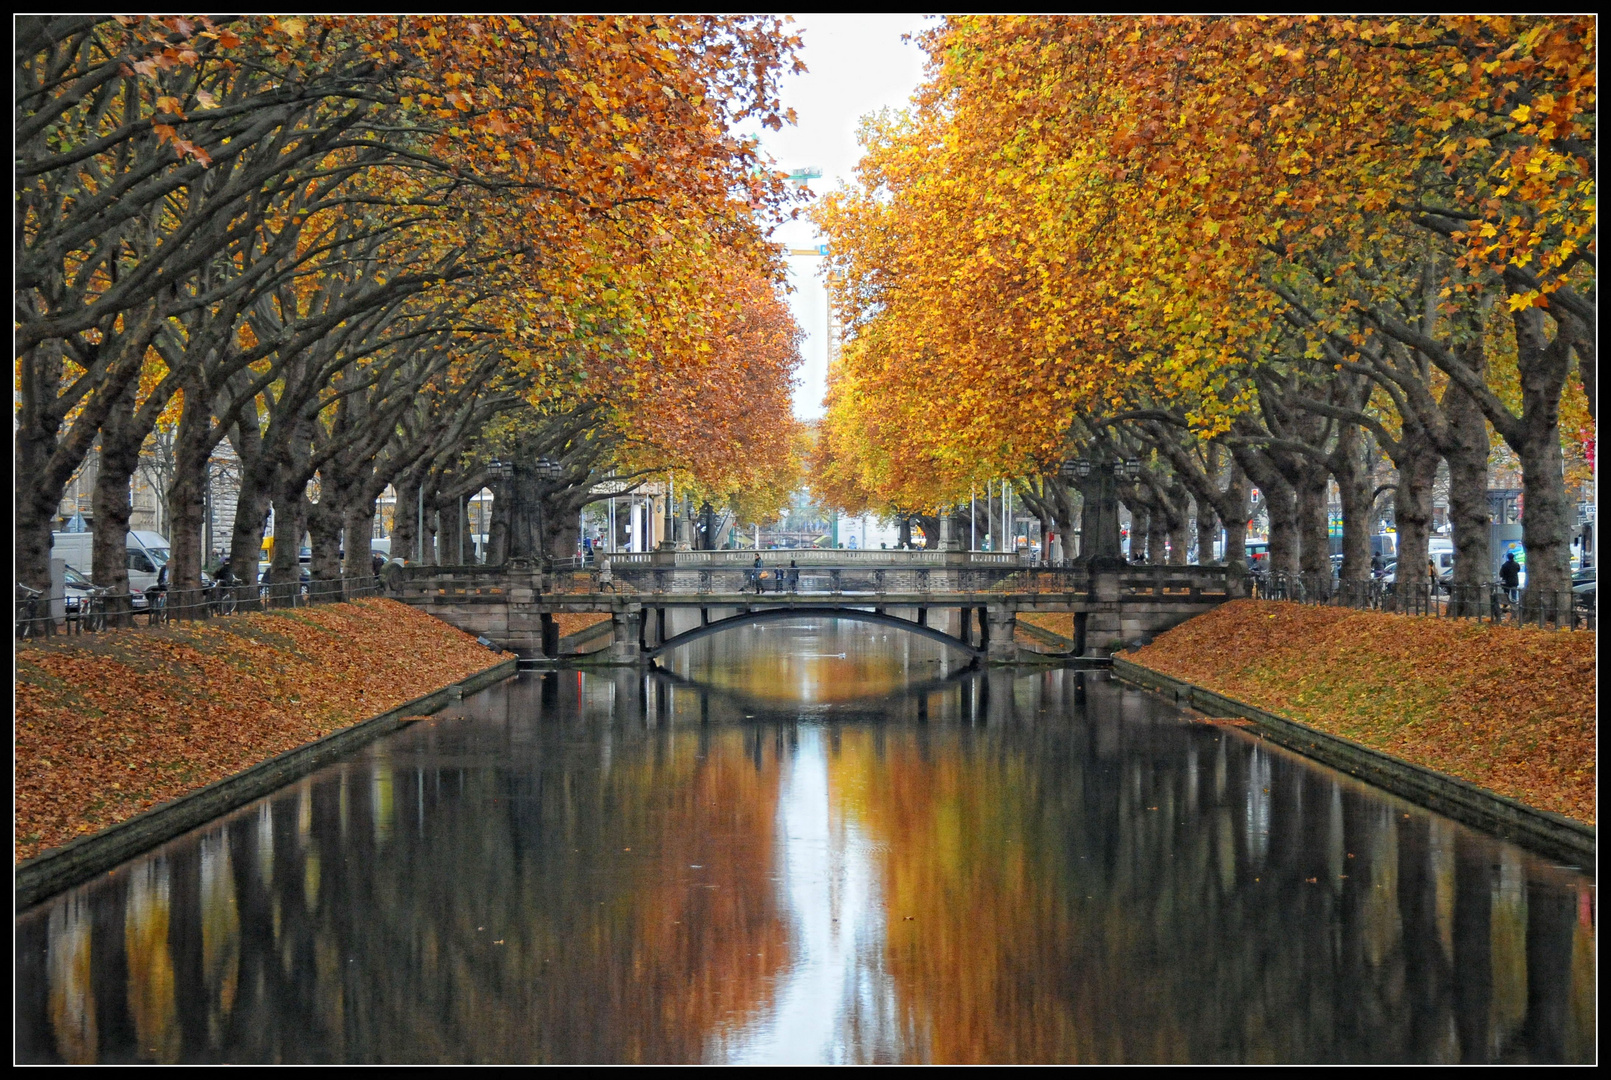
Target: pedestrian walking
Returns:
[1376, 564]
[606, 577]
[1510, 575]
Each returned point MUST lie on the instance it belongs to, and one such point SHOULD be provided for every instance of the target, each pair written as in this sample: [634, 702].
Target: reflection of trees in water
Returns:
[1109, 902]
[72, 997]
[150, 964]
[455, 913]
[553, 953]
[1087, 880]
[220, 935]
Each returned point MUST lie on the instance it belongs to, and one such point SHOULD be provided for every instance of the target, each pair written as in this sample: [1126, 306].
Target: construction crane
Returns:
[821, 251]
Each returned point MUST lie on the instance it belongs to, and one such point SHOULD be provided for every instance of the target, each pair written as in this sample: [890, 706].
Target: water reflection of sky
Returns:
[835, 1003]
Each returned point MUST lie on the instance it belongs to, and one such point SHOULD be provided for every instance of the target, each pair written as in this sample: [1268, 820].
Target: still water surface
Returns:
[817, 842]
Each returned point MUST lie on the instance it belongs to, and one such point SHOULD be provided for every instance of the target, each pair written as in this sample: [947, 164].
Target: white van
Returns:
[148, 553]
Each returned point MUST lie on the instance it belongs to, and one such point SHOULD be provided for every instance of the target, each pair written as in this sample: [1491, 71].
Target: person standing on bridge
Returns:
[794, 576]
[755, 575]
[606, 578]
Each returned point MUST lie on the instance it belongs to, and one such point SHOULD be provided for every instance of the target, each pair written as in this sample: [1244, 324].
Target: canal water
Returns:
[820, 841]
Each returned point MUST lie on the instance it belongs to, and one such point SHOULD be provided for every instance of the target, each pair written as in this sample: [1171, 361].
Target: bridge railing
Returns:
[819, 579]
[843, 558]
[1181, 582]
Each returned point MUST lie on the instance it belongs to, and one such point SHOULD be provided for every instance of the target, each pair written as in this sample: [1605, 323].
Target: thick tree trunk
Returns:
[405, 530]
[193, 447]
[1140, 527]
[1232, 510]
[904, 536]
[1412, 507]
[1314, 535]
[562, 524]
[498, 529]
[1236, 544]
[186, 509]
[44, 456]
[1157, 538]
[358, 529]
[1467, 455]
[110, 558]
[931, 530]
[1280, 503]
[119, 458]
[1063, 519]
[252, 503]
[1180, 533]
[1207, 530]
[290, 523]
[1354, 492]
[291, 506]
[35, 509]
[451, 538]
[324, 537]
[428, 544]
[1546, 520]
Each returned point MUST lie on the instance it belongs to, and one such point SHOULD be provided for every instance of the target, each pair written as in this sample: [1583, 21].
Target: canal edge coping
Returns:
[82, 858]
[1540, 831]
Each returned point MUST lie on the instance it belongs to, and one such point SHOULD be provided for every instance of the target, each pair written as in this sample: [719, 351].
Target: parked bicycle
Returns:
[31, 613]
[222, 594]
[92, 609]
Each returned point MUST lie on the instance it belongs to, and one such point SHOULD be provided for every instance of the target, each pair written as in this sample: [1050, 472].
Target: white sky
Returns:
[858, 64]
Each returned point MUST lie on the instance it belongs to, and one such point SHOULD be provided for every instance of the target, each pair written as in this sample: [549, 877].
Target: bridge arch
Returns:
[780, 614]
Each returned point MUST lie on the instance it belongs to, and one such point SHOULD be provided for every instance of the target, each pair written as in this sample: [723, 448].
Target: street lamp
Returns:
[548, 471]
[1099, 478]
[1075, 469]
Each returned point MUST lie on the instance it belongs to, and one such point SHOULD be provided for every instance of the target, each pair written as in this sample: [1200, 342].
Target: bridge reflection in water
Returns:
[817, 842]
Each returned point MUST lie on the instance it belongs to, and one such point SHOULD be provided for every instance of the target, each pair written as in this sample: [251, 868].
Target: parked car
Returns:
[264, 577]
[78, 586]
[1583, 588]
[148, 553]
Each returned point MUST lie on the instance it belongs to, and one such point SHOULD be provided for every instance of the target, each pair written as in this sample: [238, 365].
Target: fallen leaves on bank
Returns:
[1511, 709]
[575, 622]
[1060, 623]
[110, 724]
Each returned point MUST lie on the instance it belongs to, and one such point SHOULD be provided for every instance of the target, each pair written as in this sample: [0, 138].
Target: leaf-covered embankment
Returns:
[1510, 709]
[108, 725]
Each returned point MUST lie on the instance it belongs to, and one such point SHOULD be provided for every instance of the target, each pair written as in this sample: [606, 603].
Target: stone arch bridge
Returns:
[659, 601]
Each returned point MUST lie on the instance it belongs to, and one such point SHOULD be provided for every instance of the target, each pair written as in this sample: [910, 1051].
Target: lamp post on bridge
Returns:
[1098, 480]
[521, 485]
